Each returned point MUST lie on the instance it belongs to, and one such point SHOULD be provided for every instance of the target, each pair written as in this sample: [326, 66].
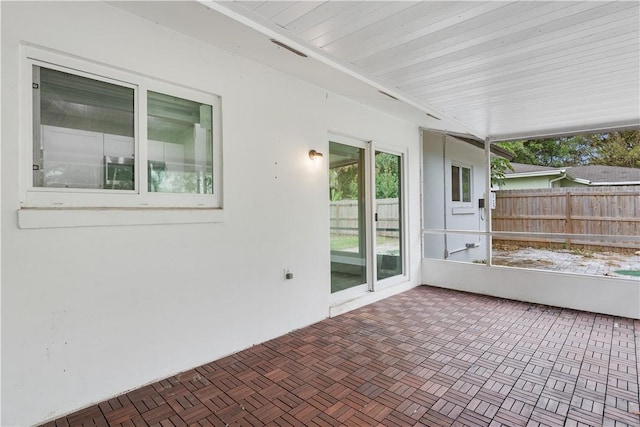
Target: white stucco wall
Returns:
[439, 152]
[607, 295]
[91, 312]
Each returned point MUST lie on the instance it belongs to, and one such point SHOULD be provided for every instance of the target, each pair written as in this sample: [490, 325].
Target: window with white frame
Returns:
[102, 137]
[460, 184]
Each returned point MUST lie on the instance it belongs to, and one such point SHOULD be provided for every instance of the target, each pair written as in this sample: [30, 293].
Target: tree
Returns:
[387, 176]
[566, 151]
[617, 148]
[344, 183]
[612, 148]
[499, 166]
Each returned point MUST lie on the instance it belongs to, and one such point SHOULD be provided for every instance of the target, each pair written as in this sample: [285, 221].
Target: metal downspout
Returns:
[564, 175]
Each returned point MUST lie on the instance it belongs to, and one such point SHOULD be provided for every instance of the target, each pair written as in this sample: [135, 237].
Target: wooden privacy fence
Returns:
[613, 211]
[343, 217]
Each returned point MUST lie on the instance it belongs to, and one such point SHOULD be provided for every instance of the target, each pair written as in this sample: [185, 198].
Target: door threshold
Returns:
[337, 308]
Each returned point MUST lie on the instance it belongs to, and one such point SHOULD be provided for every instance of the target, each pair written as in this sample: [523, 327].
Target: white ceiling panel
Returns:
[295, 11]
[488, 63]
[339, 26]
[496, 69]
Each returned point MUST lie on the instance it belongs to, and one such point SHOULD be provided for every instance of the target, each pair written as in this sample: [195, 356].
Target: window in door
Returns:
[388, 215]
[347, 216]
[460, 184]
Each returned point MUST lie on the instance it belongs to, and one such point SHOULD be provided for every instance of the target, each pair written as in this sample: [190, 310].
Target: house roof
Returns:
[590, 174]
[524, 168]
[597, 174]
[494, 70]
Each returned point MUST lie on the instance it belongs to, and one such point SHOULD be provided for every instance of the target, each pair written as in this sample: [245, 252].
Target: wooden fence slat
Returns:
[344, 215]
[572, 210]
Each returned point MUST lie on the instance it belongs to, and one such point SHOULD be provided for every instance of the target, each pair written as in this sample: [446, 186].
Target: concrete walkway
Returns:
[573, 261]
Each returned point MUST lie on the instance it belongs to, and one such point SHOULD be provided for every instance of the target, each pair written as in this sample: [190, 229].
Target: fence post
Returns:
[568, 223]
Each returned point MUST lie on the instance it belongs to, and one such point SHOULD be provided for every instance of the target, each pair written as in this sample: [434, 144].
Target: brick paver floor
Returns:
[427, 357]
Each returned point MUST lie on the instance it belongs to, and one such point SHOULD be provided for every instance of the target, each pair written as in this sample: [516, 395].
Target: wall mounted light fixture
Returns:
[313, 155]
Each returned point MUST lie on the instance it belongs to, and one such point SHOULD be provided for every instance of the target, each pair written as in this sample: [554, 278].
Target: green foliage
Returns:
[344, 180]
[612, 149]
[343, 183]
[617, 148]
[387, 176]
[521, 153]
[499, 167]
[566, 151]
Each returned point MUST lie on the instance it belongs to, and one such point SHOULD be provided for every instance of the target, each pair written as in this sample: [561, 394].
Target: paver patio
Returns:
[597, 263]
[427, 357]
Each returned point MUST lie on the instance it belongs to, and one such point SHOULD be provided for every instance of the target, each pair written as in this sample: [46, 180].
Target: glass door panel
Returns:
[388, 215]
[347, 216]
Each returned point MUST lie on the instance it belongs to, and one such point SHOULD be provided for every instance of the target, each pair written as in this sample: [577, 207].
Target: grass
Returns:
[340, 242]
[583, 252]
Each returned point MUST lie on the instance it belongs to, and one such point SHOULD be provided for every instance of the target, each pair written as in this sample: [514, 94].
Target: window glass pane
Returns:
[79, 123]
[466, 184]
[180, 149]
[388, 215]
[455, 183]
[347, 215]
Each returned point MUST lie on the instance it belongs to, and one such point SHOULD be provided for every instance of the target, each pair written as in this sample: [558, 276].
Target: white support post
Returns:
[487, 200]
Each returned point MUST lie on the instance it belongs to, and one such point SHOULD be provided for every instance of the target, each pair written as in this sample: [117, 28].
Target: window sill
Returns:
[33, 218]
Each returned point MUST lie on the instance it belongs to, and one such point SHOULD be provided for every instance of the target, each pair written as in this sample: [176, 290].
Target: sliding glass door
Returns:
[366, 214]
[347, 190]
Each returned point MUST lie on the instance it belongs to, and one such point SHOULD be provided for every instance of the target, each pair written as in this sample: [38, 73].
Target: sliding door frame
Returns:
[404, 246]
